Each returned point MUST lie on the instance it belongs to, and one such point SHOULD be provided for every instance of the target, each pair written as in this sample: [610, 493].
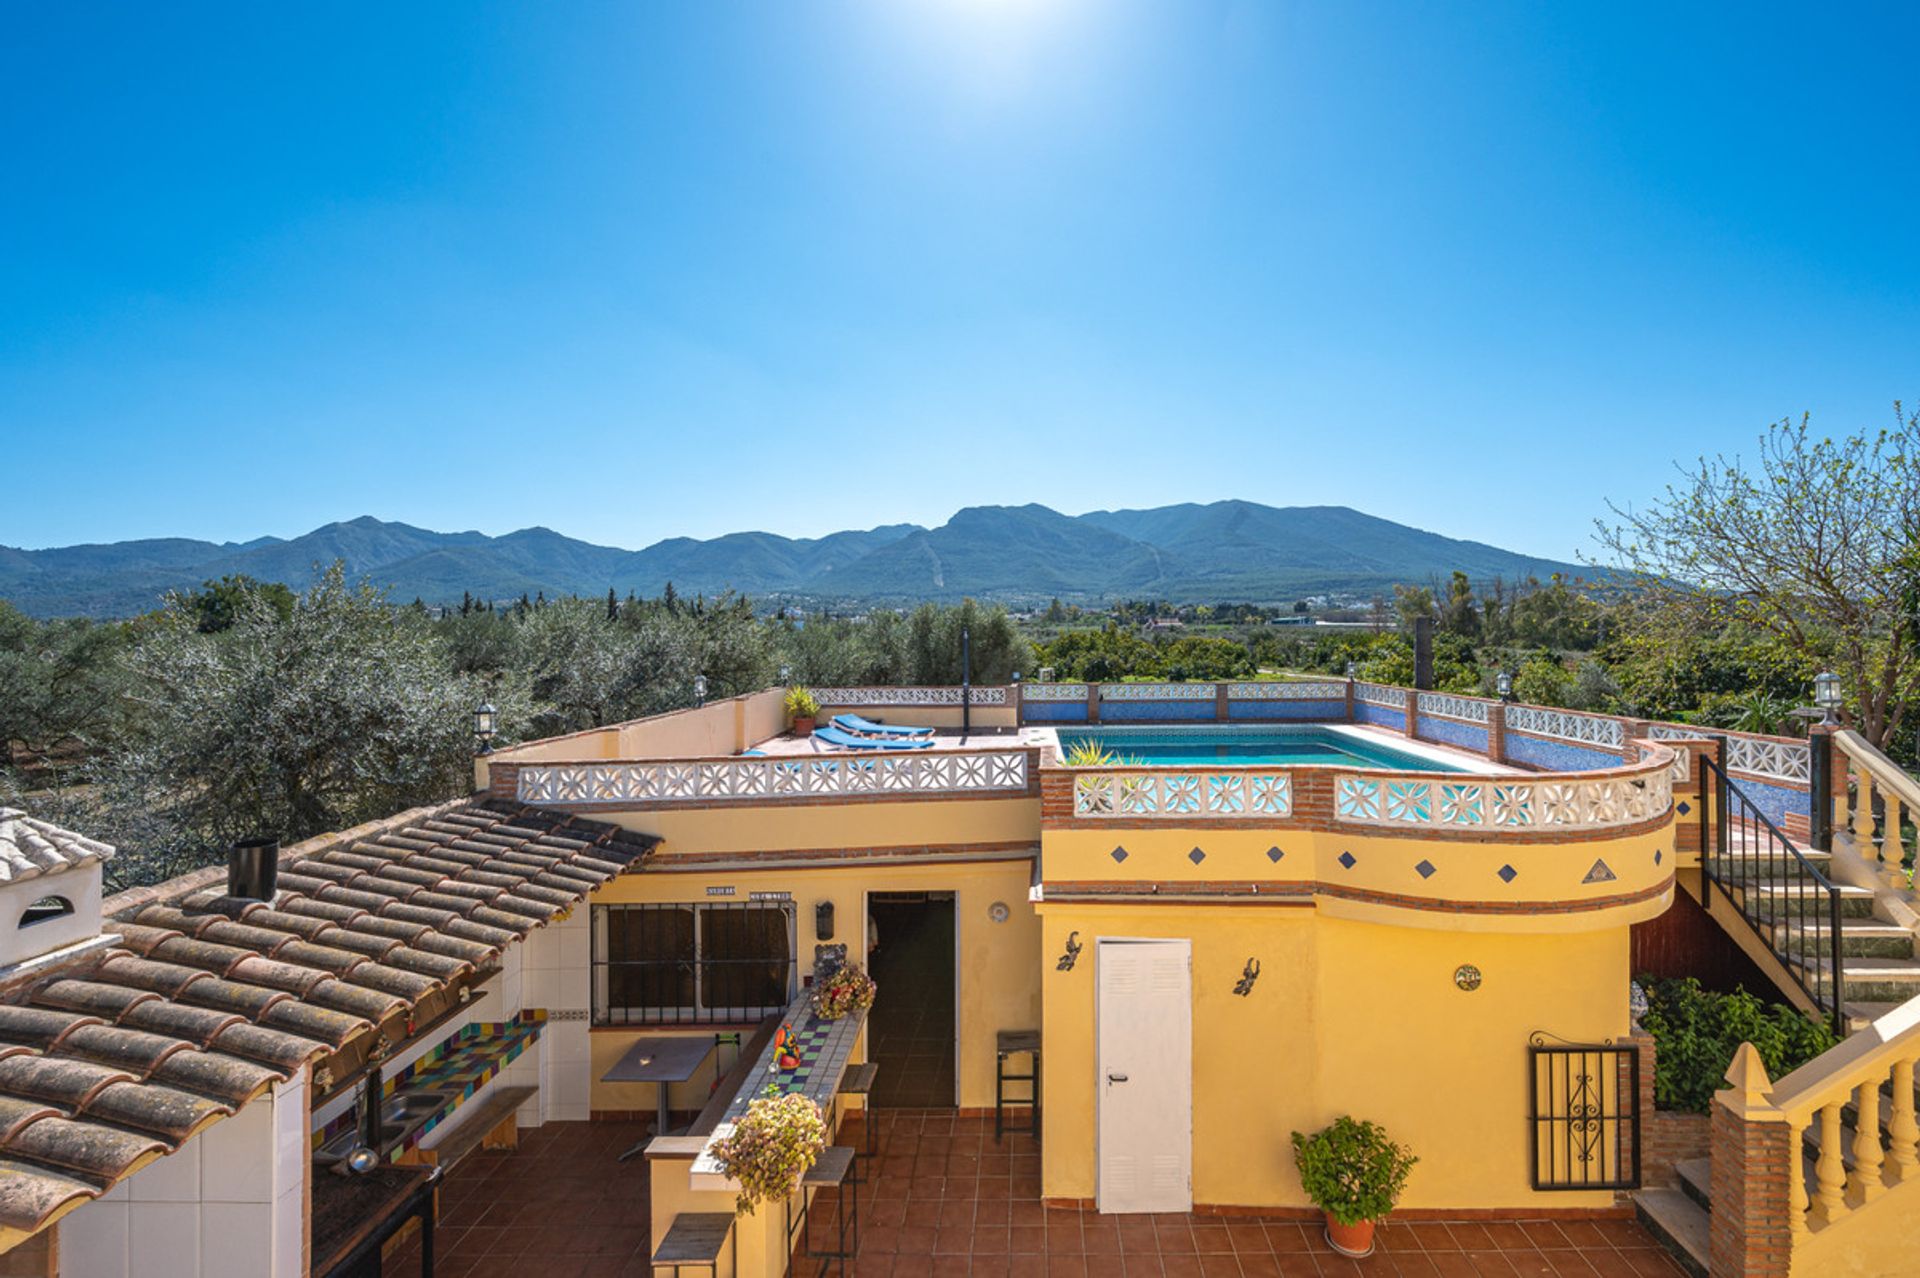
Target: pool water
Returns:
[1266, 747]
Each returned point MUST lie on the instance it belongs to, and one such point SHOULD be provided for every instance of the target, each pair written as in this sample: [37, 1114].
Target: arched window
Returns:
[47, 907]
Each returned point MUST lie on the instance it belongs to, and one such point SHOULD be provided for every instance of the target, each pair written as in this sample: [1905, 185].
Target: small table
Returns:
[660, 1060]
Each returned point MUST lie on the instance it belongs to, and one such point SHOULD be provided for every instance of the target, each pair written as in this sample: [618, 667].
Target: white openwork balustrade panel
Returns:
[755, 780]
[1156, 692]
[1053, 692]
[1380, 694]
[1786, 761]
[1583, 729]
[991, 696]
[1241, 792]
[1291, 690]
[1448, 706]
[1559, 803]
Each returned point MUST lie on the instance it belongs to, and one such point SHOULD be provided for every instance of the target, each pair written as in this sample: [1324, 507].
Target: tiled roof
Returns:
[30, 847]
[209, 1000]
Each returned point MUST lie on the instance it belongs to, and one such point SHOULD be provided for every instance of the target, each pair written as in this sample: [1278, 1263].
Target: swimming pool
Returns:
[1242, 746]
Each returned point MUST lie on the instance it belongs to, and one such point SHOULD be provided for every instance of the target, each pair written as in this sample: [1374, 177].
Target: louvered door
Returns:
[1145, 1075]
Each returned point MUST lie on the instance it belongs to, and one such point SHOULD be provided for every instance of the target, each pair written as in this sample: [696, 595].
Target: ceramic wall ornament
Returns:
[1072, 956]
[1248, 975]
[1467, 977]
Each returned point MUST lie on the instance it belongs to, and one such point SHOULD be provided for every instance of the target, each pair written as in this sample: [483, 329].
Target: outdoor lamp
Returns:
[1826, 695]
[483, 716]
[699, 690]
[1503, 684]
[786, 675]
[1353, 668]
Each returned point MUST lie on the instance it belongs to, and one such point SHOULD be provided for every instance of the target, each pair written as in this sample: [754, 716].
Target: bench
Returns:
[491, 1125]
[696, 1238]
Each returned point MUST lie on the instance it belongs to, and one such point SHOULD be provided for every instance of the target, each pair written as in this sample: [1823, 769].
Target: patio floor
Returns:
[949, 1203]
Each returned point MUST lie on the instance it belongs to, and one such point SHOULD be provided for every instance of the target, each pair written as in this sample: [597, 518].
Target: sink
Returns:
[411, 1107]
[401, 1115]
[345, 1143]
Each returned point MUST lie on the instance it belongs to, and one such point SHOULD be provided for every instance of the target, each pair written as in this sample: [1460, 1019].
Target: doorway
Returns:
[1144, 1060]
[910, 1032]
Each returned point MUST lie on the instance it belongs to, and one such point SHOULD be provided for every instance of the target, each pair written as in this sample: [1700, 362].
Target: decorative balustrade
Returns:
[1448, 706]
[1567, 801]
[1876, 782]
[1381, 694]
[771, 779]
[930, 696]
[1567, 725]
[1053, 692]
[1156, 692]
[1771, 759]
[1205, 795]
[1288, 690]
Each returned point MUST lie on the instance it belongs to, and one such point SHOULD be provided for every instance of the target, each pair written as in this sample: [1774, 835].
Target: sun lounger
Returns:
[868, 728]
[847, 741]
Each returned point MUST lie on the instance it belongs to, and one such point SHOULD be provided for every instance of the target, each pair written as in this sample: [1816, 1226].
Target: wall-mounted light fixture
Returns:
[699, 690]
[823, 920]
[484, 716]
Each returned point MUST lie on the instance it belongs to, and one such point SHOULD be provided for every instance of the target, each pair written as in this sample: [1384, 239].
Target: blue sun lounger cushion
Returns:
[867, 727]
[847, 741]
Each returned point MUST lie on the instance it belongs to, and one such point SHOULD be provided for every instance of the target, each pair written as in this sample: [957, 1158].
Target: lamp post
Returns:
[1353, 668]
[1826, 695]
[1503, 685]
[483, 725]
[966, 682]
[699, 691]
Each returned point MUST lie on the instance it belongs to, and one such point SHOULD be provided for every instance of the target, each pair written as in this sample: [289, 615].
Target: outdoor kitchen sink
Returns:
[401, 1115]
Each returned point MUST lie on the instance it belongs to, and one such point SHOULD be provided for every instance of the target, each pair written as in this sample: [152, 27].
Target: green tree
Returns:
[216, 603]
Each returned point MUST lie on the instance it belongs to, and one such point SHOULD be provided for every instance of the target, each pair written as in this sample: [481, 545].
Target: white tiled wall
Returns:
[555, 976]
[231, 1203]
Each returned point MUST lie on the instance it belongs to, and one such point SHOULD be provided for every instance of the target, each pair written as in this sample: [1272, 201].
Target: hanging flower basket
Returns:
[771, 1147]
[848, 990]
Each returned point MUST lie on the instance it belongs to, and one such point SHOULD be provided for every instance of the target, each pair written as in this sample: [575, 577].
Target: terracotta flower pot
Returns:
[1350, 1240]
[803, 725]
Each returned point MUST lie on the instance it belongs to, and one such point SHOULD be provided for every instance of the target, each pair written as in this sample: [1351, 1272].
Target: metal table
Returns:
[660, 1060]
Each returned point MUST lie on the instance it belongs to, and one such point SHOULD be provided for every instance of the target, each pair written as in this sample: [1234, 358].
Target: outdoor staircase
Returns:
[1777, 889]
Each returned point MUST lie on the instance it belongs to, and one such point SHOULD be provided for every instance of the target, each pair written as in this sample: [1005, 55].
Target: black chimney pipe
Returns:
[253, 869]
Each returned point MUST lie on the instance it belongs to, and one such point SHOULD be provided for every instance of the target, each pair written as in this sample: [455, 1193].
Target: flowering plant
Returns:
[771, 1147]
[849, 989]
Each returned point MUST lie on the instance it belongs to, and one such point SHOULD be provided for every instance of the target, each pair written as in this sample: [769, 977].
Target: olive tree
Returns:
[1816, 542]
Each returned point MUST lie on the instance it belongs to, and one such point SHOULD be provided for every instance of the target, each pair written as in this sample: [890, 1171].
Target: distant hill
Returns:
[1020, 554]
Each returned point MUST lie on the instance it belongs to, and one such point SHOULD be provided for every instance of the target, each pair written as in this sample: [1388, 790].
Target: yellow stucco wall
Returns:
[1346, 1017]
[998, 964]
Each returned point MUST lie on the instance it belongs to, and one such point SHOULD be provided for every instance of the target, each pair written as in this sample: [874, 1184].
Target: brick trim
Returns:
[1248, 892]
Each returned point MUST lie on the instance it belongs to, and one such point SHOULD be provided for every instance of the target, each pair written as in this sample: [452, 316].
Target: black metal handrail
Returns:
[1798, 891]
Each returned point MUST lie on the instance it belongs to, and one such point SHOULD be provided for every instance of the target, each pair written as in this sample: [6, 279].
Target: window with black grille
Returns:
[694, 963]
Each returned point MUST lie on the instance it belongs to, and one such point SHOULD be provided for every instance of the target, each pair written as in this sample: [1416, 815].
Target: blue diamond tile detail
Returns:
[1683, 807]
[1274, 855]
[1426, 869]
[1657, 854]
[1507, 873]
[1346, 859]
[1118, 854]
[1196, 856]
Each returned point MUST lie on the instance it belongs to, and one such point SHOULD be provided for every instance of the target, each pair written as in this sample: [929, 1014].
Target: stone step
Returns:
[1862, 938]
[1696, 1178]
[1788, 903]
[1679, 1223]
[1875, 979]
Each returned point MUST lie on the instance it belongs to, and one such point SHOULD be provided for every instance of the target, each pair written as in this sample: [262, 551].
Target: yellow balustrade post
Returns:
[1830, 1173]
[1863, 808]
[1866, 1141]
[1902, 1131]
[1893, 848]
[1796, 1182]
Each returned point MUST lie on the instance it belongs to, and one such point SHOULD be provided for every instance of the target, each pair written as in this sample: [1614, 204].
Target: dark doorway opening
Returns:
[910, 1031]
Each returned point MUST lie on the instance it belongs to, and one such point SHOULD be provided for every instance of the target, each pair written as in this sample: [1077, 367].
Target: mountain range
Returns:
[1020, 554]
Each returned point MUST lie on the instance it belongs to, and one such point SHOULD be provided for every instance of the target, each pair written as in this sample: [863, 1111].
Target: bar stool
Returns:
[858, 1081]
[832, 1170]
[1012, 1043]
[696, 1239]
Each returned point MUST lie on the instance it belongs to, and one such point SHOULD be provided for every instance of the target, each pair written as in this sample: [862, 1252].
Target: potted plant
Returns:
[849, 989]
[1354, 1174]
[771, 1146]
[803, 708]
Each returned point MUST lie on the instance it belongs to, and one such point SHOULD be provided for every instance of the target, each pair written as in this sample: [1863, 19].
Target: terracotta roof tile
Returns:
[85, 1149]
[130, 1049]
[167, 1112]
[30, 848]
[29, 1195]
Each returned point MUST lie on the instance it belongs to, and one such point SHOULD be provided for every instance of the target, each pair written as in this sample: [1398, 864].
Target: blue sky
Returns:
[643, 270]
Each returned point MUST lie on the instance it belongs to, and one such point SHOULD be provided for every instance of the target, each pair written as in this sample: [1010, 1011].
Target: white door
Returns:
[1144, 1051]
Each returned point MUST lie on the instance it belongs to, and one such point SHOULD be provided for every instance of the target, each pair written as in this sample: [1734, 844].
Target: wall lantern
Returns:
[1353, 668]
[823, 920]
[786, 675]
[699, 690]
[1503, 684]
[1826, 695]
[483, 725]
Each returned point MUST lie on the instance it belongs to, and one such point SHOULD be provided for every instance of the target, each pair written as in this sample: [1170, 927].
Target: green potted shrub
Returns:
[803, 708]
[1354, 1174]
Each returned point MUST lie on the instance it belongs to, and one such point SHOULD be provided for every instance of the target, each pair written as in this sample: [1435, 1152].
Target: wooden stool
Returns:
[696, 1238]
[831, 1169]
[858, 1081]
[1010, 1043]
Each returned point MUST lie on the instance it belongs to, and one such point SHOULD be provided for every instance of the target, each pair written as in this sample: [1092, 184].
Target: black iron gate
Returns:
[1583, 1103]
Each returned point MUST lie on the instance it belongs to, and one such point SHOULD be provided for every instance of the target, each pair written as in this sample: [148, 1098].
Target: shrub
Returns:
[849, 989]
[1697, 1031]
[771, 1147]
[1351, 1170]
[801, 703]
